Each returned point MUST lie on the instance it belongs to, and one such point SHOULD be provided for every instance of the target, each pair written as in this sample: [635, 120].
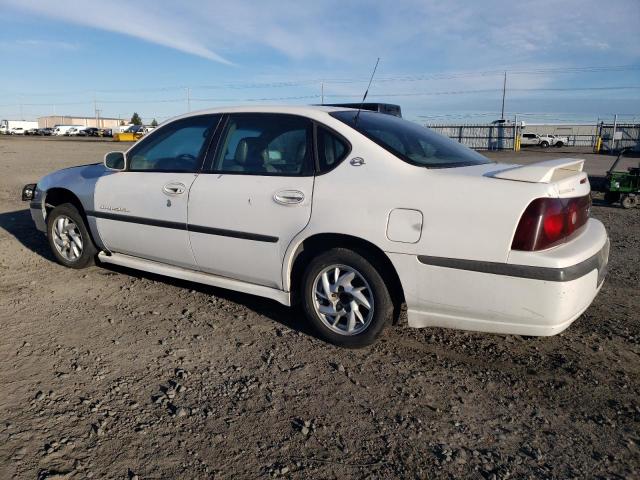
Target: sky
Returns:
[442, 61]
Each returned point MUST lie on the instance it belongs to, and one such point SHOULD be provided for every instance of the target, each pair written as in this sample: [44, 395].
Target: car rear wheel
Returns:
[628, 201]
[544, 144]
[69, 238]
[559, 144]
[345, 298]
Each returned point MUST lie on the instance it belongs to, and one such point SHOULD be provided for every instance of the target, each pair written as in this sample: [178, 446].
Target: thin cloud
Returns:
[147, 22]
[47, 45]
[455, 33]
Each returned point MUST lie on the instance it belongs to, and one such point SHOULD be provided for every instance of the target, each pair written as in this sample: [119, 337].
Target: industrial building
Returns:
[563, 129]
[98, 122]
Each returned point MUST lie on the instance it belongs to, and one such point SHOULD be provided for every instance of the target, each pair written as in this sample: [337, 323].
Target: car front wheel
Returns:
[345, 298]
[68, 237]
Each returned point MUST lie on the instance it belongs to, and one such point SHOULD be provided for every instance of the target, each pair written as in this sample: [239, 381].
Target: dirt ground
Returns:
[113, 373]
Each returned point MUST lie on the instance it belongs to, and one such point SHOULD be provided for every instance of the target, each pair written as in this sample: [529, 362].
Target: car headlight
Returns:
[29, 192]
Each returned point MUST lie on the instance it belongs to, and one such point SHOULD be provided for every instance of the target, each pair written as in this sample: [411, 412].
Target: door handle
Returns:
[288, 197]
[175, 188]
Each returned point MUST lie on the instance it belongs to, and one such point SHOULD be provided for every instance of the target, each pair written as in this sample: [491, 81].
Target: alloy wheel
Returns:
[343, 300]
[67, 238]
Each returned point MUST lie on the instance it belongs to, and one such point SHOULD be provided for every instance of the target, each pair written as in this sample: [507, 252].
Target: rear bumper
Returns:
[539, 299]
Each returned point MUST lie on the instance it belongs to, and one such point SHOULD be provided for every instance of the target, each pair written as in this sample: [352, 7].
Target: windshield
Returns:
[411, 142]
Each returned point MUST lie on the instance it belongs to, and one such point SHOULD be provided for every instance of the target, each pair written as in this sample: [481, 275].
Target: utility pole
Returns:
[613, 134]
[322, 92]
[95, 109]
[504, 91]
[188, 99]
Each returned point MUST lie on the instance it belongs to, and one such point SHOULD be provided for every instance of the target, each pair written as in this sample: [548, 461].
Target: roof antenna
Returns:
[355, 121]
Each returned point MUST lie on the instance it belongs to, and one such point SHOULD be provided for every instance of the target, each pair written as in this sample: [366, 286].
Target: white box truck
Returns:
[7, 126]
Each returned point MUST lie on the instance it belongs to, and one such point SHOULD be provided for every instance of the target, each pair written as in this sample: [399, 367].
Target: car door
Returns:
[142, 211]
[253, 197]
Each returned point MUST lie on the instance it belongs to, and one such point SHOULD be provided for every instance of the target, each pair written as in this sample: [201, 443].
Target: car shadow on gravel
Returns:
[20, 225]
[290, 317]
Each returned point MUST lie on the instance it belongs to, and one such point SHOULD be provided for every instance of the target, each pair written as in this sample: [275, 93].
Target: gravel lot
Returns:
[113, 373]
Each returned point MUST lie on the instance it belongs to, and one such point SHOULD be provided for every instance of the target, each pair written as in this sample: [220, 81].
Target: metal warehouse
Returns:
[98, 122]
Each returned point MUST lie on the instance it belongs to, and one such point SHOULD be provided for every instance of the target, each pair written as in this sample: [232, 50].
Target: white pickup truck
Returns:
[543, 141]
[529, 139]
[558, 141]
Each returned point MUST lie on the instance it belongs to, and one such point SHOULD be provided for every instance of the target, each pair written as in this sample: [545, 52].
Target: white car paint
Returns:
[249, 206]
[140, 194]
[468, 214]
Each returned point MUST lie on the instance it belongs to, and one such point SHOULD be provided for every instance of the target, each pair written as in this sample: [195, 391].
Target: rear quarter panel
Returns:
[465, 213]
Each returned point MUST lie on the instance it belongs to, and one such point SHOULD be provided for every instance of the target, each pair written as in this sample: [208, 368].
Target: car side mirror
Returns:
[115, 161]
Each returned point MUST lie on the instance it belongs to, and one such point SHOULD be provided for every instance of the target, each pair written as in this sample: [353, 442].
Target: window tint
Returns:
[331, 149]
[266, 144]
[176, 147]
[409, 141]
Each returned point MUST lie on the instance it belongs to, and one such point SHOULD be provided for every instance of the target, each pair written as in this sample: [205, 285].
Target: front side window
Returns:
[176, 147]
[266, 144]
[409, 141]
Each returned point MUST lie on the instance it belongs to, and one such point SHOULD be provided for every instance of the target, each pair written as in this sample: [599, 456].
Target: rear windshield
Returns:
[411, 142]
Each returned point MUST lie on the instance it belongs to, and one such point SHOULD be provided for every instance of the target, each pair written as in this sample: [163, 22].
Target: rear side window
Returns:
[176, 147]
[409, 141]
[331, 149]
[266, 144]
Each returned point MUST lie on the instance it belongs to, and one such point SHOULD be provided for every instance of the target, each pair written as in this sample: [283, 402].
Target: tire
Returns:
[544, 144]
[73, 248]
[559, 144]
[354, 327]
[627, 201]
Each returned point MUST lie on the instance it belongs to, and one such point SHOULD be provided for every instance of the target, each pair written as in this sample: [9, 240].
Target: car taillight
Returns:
[549, 221]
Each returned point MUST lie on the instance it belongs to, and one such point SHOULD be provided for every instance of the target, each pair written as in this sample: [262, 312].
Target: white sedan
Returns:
[350, 214]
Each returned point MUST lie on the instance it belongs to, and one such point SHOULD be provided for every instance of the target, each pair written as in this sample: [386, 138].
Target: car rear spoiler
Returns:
[542, 172]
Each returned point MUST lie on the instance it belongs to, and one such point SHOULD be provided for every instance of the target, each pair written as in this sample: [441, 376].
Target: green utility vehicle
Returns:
[623, 186]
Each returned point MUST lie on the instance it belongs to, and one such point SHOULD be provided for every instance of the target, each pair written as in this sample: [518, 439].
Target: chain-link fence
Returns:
[502, 136]
[480, 137]
[626, 135]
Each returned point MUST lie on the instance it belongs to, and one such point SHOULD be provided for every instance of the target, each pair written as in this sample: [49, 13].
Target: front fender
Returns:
[79, 181]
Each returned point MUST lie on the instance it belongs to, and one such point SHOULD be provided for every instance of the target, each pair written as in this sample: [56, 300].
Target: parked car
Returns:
[89, 132]
[136, 129]
[348, 213]
[17, 131]
[529, 139]
[31, 131]
[75, 131]
[558, 140]
[106, 132]
[63, 129]
[45, 132]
